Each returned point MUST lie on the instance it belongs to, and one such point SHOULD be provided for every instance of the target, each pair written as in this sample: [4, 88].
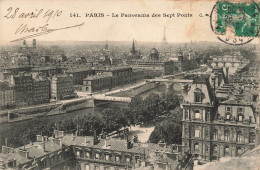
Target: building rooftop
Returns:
[45, 146]
[75, 70]
[98, 76]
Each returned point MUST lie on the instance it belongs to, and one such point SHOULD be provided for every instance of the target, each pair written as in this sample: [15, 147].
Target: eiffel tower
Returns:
[164, 41]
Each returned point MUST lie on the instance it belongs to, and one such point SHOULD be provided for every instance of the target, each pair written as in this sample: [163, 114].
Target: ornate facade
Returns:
[217, 128]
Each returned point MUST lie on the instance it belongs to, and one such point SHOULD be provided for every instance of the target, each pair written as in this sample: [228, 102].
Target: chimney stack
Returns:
[23, 153]
[44, 149]
[95, 139]
[227, 75]
[6, 142]
[213, 78]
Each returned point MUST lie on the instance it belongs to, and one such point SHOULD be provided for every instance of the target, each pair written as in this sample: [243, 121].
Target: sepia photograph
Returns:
[129, 85]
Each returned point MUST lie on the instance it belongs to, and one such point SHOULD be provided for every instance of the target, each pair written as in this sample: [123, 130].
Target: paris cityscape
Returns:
[119, 105]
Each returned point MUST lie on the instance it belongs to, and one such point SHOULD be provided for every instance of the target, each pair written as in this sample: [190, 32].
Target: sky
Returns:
[178, 29]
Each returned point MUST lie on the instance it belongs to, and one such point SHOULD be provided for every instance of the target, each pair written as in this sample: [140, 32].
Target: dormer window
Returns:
[198, 94]
[128, 160]
[240, 110]
[228, 109]
[78, 153]
[240, 117]
[117, 158]
[228, 116]
[97, 155]
[197, 98]
[87, 154]
[107, 157]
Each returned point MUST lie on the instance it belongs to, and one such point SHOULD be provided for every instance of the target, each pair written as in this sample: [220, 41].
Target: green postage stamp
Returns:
[243, 18]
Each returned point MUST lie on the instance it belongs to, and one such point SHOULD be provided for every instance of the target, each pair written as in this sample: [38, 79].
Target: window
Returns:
[198, 98]
[117, 159]
[255, 98]
[207, 115]
[197, 114]
[43, 164]
[198, 95]
[196, 147]
[78, 153]
[186, 131]
[215, 134]
[215, 149]
[252, 137]
[197, 133]
[226, 151]
[127, 159]
[226, 135]
[97, 155]
[239, 151]
[228, 116]
[240, 117]
[240, 110]
[107, 157]
[239, 136]
[87, 154]
[187, 114]
[206, 148]
[228, 109]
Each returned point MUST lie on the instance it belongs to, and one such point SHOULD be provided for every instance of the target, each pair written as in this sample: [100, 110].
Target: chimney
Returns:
[6, 150]
[213, 78]
[95, 139]
[105, 142]
[56, 133]
[135, 139]
[23, 153]
[6, 142]
[72, 136]
[46, 138]
[57, 141]
[227, 75]
[43, 146]
[39, 138]
[86, 139]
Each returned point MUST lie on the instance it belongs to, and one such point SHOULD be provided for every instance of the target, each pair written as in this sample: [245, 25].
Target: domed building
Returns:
[154, 54]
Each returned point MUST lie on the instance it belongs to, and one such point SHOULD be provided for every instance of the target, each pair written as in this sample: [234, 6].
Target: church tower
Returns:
[133, 51]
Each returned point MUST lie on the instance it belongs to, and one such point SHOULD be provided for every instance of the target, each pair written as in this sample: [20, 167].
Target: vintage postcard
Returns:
[121, 84]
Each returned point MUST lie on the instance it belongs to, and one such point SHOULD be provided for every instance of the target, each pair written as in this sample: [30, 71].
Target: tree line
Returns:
[140, 110]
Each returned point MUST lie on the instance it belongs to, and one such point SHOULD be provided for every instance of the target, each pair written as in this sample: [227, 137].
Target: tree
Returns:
[114, 120]
[169, 101]
[169, 130]
[136, 107]
[152, 107]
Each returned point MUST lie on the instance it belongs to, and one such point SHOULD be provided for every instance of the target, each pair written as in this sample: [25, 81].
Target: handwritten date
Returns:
[17, 13]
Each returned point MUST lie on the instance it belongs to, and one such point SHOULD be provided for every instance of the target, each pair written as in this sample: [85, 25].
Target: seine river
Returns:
[14, 129]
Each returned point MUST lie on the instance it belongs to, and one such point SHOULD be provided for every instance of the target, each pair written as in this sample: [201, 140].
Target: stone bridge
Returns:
[176, 84]
[103, 97]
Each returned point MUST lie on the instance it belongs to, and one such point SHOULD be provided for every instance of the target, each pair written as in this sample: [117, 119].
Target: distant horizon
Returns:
[29, 41]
